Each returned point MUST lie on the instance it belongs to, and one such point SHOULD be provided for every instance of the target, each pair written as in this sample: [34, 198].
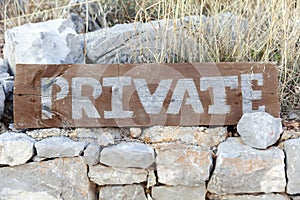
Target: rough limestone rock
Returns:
[127, 192]
[205, 137]
[179, 192]
[106, 139]
[15, 148]
[144, 42]
[135, 132]
[63, 178]
[92, 154]
[39, 134]
[50, 42]
[251, 197]
[259, 129]
[182, 164]
[238, 165]
[102, 175]
[58, 147]
[128, 154]
[292, 152]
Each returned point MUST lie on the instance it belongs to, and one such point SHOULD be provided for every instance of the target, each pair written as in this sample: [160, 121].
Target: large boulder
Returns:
[50, 42]
[63, 178]
[292, 151]
[128, 154]
[242, 169]
[15, 148]
[155, 41]
[259, 129]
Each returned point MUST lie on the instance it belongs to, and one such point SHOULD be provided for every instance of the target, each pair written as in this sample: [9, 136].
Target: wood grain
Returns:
[204, 76]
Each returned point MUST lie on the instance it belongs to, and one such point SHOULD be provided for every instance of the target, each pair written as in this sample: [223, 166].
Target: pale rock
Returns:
[53, 147]
[242, 169]
[151, 180]
[292, 152]
[135, 132]
[106, 139]
[259, 129]
[128, 154]
[15, 148]
[63, 178]
[92, 154]
[102, 175]
[179, 164]
[250, 197]
[295, 197]
[87, 135]
[179, 192]
[50, 42]
[127, 192]
[95, 134]
[205, 137]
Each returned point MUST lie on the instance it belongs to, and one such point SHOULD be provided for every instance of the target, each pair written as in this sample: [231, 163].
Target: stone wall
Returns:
[151, 163]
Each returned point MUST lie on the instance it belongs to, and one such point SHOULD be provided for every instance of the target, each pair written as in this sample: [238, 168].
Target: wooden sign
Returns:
[142, 94]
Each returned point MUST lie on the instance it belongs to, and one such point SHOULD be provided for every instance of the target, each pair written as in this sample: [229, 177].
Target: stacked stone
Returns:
[113, 163]
[154, 163]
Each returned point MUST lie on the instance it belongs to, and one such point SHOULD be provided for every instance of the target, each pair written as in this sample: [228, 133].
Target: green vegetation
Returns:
[272, 28]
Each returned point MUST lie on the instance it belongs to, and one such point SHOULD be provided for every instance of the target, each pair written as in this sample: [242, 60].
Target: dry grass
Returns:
[272, 29]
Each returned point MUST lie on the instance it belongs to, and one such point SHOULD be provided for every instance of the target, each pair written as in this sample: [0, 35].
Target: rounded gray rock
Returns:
[259, 129]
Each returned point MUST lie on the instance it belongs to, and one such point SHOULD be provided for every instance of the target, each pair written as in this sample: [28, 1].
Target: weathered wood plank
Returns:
[142, 94]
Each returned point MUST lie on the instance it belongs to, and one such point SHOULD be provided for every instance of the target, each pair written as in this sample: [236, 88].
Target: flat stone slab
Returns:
[63, 178]
[179, 192]
[205, 137]
[102, 175]
[128, 154]
[182, 164]
[127, 192]
[54, 147]
[242, 169]
[292, 152]
[250, 197]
